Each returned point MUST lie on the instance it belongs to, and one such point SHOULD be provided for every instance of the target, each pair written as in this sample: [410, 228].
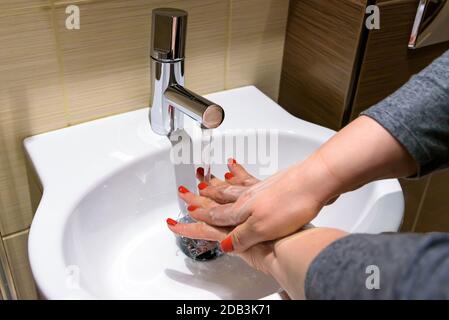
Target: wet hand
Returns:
[214, 203]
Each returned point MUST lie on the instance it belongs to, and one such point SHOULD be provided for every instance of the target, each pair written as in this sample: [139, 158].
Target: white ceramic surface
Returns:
[109, 185]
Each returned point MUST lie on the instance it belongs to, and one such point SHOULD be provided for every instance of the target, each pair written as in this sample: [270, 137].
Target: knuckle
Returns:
[234, 220]
[213, 216]
[201, 227]
[221, 195]
[260, 229]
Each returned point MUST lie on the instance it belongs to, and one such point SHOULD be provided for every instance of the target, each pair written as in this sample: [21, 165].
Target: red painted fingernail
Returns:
[226, 244]
[202, 186]
[229, 175]
[192, 208]
[200, 171]
[183, 189]
[171, 222]
[232, 161]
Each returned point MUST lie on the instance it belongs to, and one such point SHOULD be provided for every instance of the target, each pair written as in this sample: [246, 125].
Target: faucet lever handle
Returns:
[168, 43]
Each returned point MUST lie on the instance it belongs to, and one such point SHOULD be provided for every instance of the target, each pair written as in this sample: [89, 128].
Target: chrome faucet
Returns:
[171, 100]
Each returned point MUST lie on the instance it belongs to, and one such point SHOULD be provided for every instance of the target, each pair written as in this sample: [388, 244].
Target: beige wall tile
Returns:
[68, 2]
[9, 6]
[7, 288]
[52, 79]
[257, 33]
[207, 40]
[16, 247]
[106, 62]
[31, 102]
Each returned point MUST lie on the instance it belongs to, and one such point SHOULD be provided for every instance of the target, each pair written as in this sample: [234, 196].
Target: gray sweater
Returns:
[406, 266]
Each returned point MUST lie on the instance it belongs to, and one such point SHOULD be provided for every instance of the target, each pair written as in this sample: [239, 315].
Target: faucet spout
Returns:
[208, 114]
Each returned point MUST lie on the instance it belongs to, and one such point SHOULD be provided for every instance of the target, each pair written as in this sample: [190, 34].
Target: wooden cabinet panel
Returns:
[387, 65]
[320, 54]
[413, 195]
[434, 214]
[332, 66]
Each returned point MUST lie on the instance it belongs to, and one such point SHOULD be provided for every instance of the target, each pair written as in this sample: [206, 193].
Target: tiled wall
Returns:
[51, 77]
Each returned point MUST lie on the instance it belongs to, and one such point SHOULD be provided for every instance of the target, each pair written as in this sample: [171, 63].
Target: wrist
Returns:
[317, 181]
[290, 270]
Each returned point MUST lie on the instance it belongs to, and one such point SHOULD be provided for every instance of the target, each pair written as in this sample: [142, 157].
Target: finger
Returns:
[197, 230]
[222, 194]
[253, 230]
[193, 199]
[238, 175]
[242, 238]
[214, 181]
[221, 216]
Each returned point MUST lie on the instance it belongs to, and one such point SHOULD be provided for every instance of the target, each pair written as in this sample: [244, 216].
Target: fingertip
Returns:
[192, 208]
[202, 186]
[226, 244]
[231, 163]
[200, 171]
[171, 222]
[183, 189]
[228, 176]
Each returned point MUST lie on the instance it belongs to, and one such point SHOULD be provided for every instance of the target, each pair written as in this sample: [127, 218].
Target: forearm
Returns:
[360, 153]
[363, 152]
[406, 134]
[293, 255]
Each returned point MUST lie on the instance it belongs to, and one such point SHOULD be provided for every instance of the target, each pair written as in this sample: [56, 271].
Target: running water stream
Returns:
[201, 250]
[206, 150]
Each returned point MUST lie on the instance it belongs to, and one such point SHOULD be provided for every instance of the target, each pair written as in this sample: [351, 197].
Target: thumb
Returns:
[242, 238]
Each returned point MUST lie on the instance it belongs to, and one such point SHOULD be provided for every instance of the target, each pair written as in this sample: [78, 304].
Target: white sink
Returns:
[109, 185]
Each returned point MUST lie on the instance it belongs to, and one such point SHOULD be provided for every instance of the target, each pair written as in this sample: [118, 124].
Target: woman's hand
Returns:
[287, 260]
[279, 206]
[237, 180]
[269, 209]
[275, 258]
[259, 257]
[215, 202]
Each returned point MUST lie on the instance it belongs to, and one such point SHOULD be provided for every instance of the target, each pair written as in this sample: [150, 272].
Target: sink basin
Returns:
[109, 185]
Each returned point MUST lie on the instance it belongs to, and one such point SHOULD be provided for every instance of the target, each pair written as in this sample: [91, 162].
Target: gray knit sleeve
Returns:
[407, 266]
[417, 115]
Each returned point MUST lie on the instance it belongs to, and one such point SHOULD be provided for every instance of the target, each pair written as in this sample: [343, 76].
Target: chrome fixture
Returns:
[431, 24]
[170, 100]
